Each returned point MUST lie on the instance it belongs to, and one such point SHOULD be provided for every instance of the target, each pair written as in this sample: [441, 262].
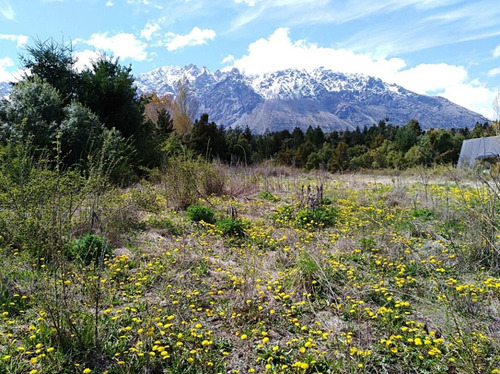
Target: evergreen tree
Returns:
[53, 63]
[340, 158]
[407, 136]
[34, 110]
[297, 138]
[108, 90]
[207, 140]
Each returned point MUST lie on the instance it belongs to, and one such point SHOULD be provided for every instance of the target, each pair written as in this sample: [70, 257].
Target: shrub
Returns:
[197, 213]
[186, 179]
[424, 214]
[88, 248]
[320, 216]
[213, 179]
[231, 227]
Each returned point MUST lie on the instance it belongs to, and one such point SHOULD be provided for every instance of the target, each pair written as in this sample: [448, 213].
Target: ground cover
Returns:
[357, 273]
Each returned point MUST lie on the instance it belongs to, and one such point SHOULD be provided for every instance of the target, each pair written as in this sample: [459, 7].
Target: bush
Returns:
[197, 213]
[231, 227]
[186, 179]
[88, 248]
[320, 216]
[424, 214]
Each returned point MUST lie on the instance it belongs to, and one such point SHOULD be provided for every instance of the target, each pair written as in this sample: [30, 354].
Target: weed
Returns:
[234, 227]
[266, 195]
[88, 248]
[318, 217]
[197, 213]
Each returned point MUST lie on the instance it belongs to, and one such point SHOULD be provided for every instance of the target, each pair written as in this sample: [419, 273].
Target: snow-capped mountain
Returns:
[286, 99]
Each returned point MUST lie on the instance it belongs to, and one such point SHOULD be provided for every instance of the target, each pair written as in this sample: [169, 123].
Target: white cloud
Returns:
[278, 52]
[474, 97]
[121, 45]
[5, 63]
[496, 52]
[195, 37]
[7, 10]
[110, 3]
[150, 29]
[228, 59]
[248, 2]
[494, 72]
[428, 78]
[21, 40]
[85, 58]
[153, 3]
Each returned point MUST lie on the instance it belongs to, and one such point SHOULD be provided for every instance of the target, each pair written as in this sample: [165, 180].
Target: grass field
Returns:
[295, 273]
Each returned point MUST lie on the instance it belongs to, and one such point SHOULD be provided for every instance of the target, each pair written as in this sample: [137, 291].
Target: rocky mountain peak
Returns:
[321, 97]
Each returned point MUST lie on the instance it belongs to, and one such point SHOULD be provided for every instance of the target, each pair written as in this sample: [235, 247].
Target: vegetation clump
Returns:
[317, 217]
[88, 248]
[233, 227]
[197, 213]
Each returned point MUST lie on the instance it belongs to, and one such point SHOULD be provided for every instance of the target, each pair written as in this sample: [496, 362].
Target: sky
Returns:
[449, 48]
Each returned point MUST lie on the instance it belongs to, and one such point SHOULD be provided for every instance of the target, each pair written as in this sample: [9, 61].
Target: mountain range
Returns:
[292, 98]
[299, 98]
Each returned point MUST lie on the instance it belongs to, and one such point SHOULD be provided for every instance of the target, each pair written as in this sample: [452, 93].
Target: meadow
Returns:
[251, 270]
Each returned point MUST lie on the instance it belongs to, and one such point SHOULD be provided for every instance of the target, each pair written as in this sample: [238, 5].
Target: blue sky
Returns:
[438, 47]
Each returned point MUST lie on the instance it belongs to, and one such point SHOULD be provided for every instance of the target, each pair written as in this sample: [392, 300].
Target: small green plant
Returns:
[162, 223]
[367, 243]
[197, 213]
[424, 214]
[266, 195]
[88, 248]
[231, 227]
[318, 217]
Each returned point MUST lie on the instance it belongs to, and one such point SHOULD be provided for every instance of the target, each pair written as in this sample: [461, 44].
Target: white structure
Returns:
[474, 150]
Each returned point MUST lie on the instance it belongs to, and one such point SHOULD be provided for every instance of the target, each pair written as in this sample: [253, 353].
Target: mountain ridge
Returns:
[298, 98]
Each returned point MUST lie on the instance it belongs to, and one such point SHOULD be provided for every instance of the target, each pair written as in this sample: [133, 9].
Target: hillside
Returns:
[298, 98]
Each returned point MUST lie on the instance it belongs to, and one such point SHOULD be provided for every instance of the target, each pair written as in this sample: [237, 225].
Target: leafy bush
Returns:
[88, 248]
[186, 179]
[320, 216]
[197, 213]
[231, 227]
[213, 179]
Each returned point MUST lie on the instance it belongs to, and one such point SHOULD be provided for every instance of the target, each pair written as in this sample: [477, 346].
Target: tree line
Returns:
[382, 145]
[76, 115]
